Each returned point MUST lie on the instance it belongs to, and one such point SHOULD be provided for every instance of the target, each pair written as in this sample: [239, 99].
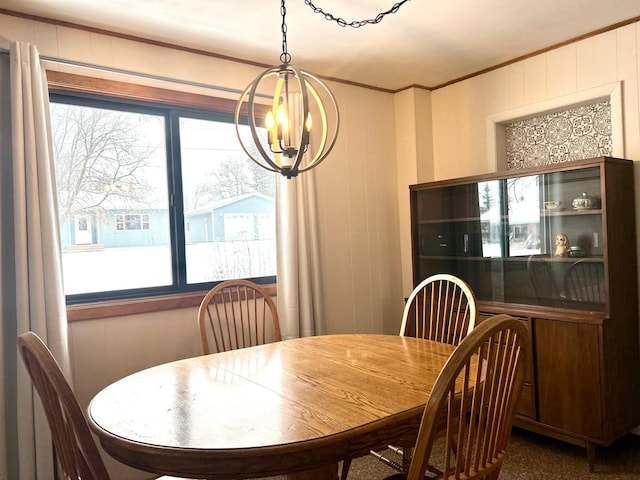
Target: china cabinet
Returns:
[555, 247]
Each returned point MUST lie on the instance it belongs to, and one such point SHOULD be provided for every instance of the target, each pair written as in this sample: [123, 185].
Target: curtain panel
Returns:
[32, 296]
[299, 294]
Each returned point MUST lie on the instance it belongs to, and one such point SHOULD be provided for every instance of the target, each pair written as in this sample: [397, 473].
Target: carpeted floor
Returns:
[535, 457]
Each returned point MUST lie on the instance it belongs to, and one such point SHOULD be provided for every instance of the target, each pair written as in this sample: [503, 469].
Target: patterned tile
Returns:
[572, 134]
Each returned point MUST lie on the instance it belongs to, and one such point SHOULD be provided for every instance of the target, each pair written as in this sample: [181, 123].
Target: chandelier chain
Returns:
[284, 57]
[356, 23]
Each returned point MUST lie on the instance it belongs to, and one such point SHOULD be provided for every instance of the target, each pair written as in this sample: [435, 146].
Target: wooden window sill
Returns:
[134, 306]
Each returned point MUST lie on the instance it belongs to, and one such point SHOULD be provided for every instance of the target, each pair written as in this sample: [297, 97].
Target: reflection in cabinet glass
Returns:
[516, 239]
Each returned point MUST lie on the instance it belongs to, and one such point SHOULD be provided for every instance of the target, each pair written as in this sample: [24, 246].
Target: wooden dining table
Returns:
[295, 407]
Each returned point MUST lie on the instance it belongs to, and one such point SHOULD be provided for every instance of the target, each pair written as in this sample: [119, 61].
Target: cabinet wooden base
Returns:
[589, 445]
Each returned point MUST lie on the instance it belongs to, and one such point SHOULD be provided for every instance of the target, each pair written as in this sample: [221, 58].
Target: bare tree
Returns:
[231, 178]
[99, 155]
[262, 179]
[234, 176]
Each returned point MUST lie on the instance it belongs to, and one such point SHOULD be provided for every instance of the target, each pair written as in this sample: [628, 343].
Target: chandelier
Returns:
[294, 127]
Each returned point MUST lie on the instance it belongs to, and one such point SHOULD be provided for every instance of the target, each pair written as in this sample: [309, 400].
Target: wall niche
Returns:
[571, 134]
[582, 125]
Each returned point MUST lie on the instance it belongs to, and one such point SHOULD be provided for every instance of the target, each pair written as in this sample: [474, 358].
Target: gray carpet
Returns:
[535, 457]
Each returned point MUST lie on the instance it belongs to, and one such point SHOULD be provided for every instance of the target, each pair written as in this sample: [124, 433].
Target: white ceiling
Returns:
[427, 42]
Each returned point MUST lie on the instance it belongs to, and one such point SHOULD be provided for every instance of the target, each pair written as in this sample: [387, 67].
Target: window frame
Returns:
[82, 90]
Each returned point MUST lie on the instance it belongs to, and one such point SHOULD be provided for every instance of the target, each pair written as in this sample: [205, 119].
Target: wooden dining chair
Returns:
[441, 308]
[75, 449]
[584, 282]
[543, 280]
[475, 395]
[237, 314]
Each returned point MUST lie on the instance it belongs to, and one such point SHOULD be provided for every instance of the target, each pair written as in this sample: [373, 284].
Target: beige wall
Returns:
[360, 246]
[414, 156]
[460, 111]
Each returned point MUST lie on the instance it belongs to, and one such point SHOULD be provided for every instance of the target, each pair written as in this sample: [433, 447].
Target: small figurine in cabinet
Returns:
[562, 245]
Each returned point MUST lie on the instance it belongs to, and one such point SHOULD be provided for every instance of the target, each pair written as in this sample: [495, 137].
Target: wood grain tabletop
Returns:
[280, 408]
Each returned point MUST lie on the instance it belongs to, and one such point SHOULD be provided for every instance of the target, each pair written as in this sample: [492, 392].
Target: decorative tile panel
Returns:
[572, 134]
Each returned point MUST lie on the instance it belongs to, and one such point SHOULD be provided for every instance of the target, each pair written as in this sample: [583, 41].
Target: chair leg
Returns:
[403, 469]
[346, 465]
[591, 456]
[407, 453]
[493, 475]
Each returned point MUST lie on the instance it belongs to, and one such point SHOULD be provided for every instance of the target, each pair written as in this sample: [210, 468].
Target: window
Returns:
[132, 222]
[155, 199]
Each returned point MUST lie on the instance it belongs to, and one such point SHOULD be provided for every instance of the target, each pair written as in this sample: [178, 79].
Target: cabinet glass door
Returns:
[528, 239]
[510, 217]
[573, 221]
[525, 230]
[492, 218]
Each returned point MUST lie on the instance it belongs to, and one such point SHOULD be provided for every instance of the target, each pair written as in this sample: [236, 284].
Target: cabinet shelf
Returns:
[467, 258]
[543, 213]
[448, 220]
[570, 212]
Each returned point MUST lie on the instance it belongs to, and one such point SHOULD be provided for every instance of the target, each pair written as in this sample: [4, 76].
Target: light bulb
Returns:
[269, 122]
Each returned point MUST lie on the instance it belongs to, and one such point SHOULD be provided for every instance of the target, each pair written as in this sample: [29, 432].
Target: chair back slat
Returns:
[442, 308]
[476, 392]
[237, 314]
[543, 281]
[585, 282]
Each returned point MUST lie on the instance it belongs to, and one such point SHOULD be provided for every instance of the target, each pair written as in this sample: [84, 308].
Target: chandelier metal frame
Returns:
[288, 149]
[289, 117]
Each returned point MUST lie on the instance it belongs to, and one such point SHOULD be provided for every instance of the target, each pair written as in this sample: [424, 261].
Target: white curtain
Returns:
[32, 296]
[299, 306]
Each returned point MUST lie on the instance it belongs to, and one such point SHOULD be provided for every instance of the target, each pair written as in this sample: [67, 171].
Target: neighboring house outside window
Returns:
[155, 199]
